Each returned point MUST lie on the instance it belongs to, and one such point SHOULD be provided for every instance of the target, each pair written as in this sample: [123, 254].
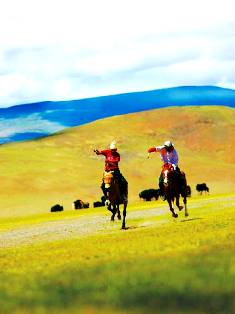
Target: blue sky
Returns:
[65, 49]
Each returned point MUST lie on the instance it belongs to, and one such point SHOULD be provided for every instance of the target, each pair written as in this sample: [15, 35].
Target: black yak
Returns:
[147, 195]
[57, 208]
[79, 204]
[202, 187]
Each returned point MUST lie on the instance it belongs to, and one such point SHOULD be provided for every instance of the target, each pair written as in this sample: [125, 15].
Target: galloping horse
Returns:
[173, 190]
[114, 196]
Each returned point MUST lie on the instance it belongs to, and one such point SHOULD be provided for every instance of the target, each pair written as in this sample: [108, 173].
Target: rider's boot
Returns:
[124, 197]
[182, 185]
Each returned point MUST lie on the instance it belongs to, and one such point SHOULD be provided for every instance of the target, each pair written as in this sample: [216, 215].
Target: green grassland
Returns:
[79, 261]
[158, 265]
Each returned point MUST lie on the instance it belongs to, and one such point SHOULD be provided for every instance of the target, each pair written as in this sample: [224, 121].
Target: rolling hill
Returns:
[28, 121]
[62, 167]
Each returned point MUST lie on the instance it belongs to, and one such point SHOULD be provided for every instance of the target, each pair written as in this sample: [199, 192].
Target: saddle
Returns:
[107, 178]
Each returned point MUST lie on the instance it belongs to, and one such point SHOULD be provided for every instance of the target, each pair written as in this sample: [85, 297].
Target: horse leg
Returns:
[184, 196]
[118, 212]
[171, 208]
[178, 203]
[185, 206]
[109, 207]
[114, 212]
[124, 216]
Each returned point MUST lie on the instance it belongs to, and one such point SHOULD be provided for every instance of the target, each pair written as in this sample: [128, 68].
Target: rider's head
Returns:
[168, 146]
[112, 145]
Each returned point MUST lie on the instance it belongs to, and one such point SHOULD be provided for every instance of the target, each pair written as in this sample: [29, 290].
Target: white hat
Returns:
[112, 145]
[168, 144]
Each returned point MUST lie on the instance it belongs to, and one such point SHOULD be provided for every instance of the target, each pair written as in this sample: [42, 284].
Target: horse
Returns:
[173, 190]
[114, 197]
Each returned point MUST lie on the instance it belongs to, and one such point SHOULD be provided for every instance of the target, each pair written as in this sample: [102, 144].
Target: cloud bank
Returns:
[32, 123]
[60, 50]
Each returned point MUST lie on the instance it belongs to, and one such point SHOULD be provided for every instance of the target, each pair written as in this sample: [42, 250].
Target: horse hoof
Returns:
[123, 227]
[175, 215]
[181, 207]
[186, 214]
[112, 219]
[119, 217]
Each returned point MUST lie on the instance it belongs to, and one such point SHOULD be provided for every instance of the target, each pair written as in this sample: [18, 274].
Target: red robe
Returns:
[112, 159]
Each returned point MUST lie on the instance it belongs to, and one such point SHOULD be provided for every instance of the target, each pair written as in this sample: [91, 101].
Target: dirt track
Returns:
[94, 223]
[70, 228]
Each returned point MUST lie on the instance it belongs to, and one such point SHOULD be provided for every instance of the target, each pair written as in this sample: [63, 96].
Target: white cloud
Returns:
[33, 123]
[74, 49]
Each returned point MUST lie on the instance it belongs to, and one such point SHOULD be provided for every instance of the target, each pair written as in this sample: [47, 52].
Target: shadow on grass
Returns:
[190, 219]
[134, 227]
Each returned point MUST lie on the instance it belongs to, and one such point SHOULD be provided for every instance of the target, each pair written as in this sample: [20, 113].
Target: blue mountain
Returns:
[29, 121]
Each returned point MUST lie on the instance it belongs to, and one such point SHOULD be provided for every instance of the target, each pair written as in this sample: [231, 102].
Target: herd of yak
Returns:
[146, 195]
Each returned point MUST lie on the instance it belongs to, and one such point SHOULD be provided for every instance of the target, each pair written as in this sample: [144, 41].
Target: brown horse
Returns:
[114, 197]
[172, 188]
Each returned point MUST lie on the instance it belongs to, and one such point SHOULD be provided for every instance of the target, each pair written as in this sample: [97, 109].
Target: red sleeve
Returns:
[152, 149]
[102, 152]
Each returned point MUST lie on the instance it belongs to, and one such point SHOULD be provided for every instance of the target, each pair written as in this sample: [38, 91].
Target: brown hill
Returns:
[63, 167]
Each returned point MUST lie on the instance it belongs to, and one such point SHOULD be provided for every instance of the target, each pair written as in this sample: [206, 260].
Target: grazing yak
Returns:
[202, 187]
[79, 204]
[147, 195]
[57, 208]
[100, 203]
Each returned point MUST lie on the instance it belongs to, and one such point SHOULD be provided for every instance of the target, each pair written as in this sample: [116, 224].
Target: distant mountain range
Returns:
[29, 121]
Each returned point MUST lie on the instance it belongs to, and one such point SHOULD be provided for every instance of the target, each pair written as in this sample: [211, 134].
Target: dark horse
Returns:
[174, 187]
[114, 197]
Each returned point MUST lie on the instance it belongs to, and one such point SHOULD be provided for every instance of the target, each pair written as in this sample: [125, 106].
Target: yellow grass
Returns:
[59, 169]
[183, 265]
[79, 262]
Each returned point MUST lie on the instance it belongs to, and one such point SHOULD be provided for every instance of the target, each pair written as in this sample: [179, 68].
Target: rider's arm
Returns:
[155, 149]
[100, 152]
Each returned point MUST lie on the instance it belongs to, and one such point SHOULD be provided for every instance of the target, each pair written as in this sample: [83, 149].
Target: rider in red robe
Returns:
[112, 158]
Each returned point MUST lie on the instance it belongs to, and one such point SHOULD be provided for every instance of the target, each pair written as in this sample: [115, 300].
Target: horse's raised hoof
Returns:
[181, 207]
[174, 215]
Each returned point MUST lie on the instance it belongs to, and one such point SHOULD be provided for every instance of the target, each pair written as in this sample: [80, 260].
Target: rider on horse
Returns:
[168, 154]
[112, 158]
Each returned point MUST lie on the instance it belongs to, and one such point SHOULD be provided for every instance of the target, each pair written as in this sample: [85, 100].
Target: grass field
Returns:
[80, 262]
[63, 167]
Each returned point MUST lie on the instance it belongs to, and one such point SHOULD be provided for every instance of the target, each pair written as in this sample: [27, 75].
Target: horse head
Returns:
[167, 172]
